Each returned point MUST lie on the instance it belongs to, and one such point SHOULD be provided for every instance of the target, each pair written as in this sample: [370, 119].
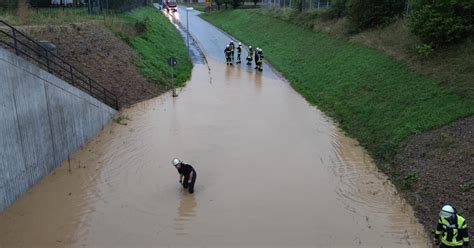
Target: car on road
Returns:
[170, 5]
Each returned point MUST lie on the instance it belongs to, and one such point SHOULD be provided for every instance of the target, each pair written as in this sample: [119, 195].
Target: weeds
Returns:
[468, 185]
[121, 120]
[409, 180]
[424, 50]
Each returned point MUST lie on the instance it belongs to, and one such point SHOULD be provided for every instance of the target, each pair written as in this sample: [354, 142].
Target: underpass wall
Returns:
[42, 121]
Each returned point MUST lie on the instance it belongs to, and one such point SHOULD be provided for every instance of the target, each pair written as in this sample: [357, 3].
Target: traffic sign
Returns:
[172, 61]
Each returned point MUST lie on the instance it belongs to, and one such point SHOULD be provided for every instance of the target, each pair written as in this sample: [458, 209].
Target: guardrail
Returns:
[32, 50]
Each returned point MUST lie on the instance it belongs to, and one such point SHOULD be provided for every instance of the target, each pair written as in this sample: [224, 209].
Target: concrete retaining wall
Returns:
[42, 120]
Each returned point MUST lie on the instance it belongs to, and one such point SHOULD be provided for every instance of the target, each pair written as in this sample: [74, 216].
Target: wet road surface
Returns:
[273, 171]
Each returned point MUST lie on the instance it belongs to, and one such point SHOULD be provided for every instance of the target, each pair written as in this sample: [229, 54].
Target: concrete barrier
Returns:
[42, 120]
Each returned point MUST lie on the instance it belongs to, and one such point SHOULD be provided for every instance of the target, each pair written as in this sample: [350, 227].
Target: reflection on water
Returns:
[228, 72]
[258, 81]
[185, 213]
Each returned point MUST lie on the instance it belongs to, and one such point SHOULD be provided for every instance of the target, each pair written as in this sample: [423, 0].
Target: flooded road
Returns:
[273, 172]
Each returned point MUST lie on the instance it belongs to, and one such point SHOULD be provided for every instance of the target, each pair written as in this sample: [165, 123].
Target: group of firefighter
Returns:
[451, 230]
[256, 55]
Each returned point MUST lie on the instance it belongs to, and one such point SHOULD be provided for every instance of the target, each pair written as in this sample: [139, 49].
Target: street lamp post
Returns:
[187, 25]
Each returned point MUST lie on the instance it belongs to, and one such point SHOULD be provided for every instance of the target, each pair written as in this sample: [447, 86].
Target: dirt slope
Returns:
[439, 167]
[101, 55]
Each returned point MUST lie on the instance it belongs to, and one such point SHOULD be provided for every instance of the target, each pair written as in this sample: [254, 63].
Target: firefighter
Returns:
[249, 56]
[239, 51]
[451, 230]
[187, 174]
[232, 47]
[228, 52]
[255, 57]
[260, 59]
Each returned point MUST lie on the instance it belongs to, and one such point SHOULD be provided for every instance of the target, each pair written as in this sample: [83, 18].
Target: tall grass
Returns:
[375, 98]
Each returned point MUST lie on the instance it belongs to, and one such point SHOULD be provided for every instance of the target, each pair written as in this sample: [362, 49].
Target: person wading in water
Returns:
[187, 174]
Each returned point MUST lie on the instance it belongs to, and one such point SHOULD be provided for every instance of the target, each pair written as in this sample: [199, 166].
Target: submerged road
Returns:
[273, 171]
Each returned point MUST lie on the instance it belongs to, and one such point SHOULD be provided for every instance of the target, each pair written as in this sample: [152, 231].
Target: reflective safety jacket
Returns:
[454, 232]
[250, 54]
[227, 52]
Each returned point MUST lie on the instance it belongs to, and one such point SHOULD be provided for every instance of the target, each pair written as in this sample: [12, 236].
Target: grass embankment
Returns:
[159, 41]
[146, 29]
[48, 16]
[452, 65]
[375, 98]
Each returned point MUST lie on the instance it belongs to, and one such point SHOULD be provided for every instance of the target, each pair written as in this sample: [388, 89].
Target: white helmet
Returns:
[240, 44]
[227, 46]
[447, 211]
[176, 162]
[250, 47]
[231, 41]
[258, 49]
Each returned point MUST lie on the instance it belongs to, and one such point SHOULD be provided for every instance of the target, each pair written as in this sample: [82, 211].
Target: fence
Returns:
[306, 4]
[37, 53]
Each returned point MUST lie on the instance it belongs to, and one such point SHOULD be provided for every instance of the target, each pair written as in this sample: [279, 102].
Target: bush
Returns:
[365, 14]
[235, 3]
[298, 5]
[219, 3]
[141, 26]
[338, 9]
[442, 22]
[424, 50]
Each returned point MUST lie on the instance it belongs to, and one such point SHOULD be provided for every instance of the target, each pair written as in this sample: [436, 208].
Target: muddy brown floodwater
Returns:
[273, 172]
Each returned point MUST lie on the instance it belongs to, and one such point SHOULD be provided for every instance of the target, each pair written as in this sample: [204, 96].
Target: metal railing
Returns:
[24, 46]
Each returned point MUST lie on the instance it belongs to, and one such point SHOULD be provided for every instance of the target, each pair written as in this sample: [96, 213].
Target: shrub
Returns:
[298, 5]
[424, 50]
[236, 3]
[442, 22]
[409, 180]
[365, 14]
[338, 9]
[142, 25]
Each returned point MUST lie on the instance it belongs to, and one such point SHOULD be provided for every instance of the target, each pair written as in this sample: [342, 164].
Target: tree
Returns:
[235, 4]
[298, 5]
[442, 22]
[365, 14]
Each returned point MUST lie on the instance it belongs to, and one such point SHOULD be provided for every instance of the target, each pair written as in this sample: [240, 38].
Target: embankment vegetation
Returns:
[145, 29]
[375, 98]
[157, 41]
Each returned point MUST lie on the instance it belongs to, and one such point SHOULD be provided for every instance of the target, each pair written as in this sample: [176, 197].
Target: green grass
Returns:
[452, 65]
[49, 16]
[375, 98]
[160, 41]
